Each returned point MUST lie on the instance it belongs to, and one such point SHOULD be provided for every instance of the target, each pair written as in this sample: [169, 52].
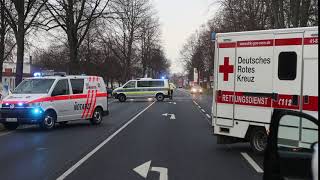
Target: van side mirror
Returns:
[289, 149]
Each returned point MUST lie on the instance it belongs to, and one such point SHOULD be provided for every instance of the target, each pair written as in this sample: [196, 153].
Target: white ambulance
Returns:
[55, 99]
[258, 71]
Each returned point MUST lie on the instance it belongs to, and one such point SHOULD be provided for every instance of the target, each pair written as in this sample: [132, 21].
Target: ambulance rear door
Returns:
[310, 73]
[288, 70]
[226, 79]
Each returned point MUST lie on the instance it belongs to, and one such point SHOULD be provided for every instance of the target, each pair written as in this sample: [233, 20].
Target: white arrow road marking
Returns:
[172, 116]
[163, 172]
[144, 169]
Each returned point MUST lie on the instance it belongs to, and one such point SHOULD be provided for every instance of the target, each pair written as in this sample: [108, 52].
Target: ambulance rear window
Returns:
[77, 85]
[287, 66]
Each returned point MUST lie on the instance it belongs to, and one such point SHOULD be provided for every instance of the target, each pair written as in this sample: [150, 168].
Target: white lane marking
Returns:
[81, 161]
[208, 116]
[195, 103]
[163, 172]
[252, 162]
[5, 133]
[199, 106]
[203, 110]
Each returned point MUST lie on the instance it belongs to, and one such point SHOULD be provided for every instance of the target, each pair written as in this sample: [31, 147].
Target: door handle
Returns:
[275, 96]
[306, 99]
[295, 99]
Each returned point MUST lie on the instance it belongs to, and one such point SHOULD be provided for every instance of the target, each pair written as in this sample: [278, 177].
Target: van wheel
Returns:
[49, 120]
[96, 117]
[122, 98]
[160, 97]
[11, 125]
[258, 140]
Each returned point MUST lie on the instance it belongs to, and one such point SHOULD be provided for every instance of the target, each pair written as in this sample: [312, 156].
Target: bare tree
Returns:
[75, 18]
[129, 18]
[6, 41]
[21, 15]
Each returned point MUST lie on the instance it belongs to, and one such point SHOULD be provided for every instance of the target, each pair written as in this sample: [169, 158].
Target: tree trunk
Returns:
[2, 41]
[20, 42]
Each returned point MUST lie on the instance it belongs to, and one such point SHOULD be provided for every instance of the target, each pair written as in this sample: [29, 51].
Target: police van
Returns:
[143, 88]
[258, 71]
[56, 98]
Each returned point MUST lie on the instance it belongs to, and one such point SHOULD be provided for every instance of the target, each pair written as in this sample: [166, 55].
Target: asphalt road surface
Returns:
[140, 139]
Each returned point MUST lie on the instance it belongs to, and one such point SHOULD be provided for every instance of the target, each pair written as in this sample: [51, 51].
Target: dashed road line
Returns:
[208, 116]
[81, 161]
[203, 110]
[252, 162]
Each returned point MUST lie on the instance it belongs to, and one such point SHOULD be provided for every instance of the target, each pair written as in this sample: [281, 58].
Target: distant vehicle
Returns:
[196, 89]
[258, 71]
[143, 88]
[291, 151]
[47, 100]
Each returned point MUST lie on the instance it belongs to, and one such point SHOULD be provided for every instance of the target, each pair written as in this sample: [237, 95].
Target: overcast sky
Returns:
[179, 19]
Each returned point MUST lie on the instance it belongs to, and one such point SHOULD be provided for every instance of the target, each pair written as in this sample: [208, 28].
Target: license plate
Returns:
[11, 120]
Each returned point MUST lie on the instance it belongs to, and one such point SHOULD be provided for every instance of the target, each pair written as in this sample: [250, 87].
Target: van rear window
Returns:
[287, 66]
[77, 85]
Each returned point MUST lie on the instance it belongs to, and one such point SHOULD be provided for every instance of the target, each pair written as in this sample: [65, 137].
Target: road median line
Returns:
[86, 157]
[252, 162]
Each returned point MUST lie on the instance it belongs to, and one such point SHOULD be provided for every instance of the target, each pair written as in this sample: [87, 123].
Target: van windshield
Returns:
[34, 86]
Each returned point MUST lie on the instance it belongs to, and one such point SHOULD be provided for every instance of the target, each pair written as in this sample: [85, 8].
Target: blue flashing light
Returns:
[37, 74]
[7, 104]
[37, 111]
[163, 77]
[20, 104]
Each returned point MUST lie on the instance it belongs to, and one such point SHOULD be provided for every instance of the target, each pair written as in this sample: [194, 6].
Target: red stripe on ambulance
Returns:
[283, 101]
[270, 42]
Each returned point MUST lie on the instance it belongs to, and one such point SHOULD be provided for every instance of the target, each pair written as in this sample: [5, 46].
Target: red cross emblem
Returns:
[226, 69]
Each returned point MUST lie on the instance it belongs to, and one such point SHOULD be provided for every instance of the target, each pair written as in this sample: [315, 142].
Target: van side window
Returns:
[77, 85]
[143, 83]
[131, 84]
[287, 66]
[156, 83]
[62, 88]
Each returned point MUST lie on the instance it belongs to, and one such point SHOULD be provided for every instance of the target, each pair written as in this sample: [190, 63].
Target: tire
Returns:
[97, 116]
[160, 97]
[258, 140]
[122, 98]
[48, 121]
[11, 125]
